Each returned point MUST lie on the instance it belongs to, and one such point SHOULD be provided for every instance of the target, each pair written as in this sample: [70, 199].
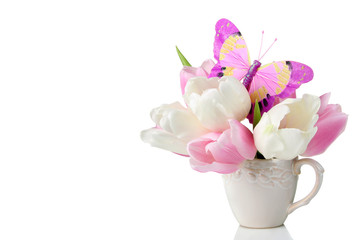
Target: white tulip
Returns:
[286, 129]
[176, 126]
[214, 101]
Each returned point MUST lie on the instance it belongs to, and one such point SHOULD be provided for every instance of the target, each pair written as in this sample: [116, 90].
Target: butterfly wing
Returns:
[277, 80]
[230, 51]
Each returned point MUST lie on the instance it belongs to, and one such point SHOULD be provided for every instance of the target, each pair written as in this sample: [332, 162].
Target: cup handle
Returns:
[319, 170]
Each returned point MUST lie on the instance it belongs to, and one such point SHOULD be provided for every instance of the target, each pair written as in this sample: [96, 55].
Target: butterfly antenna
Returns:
[262, 38]
[268, 49]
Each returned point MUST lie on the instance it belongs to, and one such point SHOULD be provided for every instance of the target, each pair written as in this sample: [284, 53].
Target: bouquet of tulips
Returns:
[219, 96]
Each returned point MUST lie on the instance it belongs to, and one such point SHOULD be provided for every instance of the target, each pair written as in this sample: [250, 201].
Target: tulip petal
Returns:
[215, 100]
[214, 152]
[197, 147]
[207, 66]
[265, 135]
[198, 85]
[295, 142]
[303, 112]
[214, 167]
[235, 98]
[329, 129]
[276, 115]
[160, 138]
[188, 73]
[197, 150]
[330, 110]
[324, 102]
[176, 119]
[243, 140]
[224, 151]
[157, 113]
[209, 111]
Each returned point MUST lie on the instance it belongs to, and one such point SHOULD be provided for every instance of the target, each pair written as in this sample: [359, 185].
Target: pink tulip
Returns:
[190, 72]
[222, 152]
[332, 122]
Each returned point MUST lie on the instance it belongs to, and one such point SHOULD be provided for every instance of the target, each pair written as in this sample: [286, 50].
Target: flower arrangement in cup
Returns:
[219, 96]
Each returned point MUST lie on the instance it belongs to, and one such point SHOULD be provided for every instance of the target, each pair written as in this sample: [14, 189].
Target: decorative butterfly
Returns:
[264, 83]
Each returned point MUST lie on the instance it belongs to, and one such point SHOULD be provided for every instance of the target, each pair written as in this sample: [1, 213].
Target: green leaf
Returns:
[256, 120]
[257, 114]
[183, 60]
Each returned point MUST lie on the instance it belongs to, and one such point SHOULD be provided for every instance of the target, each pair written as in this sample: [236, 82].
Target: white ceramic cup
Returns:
[261, 192]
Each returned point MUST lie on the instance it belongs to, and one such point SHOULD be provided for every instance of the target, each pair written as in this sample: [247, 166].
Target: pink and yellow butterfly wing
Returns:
[230, 50]
[277, 80]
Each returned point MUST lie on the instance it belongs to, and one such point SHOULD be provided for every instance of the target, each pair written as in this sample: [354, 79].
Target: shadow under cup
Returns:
[261, 192]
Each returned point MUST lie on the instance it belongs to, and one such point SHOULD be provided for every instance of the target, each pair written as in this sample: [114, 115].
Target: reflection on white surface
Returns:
[278, 233]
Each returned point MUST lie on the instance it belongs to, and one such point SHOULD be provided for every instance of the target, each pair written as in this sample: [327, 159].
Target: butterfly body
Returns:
[265, 83]
[251, 73]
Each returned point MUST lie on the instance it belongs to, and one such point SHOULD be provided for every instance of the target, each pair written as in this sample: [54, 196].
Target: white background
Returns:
[78, 80]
